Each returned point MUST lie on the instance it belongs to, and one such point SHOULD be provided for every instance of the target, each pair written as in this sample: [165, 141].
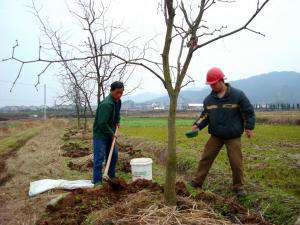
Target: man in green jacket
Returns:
[106, 120]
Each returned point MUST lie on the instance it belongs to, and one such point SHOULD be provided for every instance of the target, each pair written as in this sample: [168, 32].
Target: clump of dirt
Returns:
[124, 164]
[68, 133]
[129, 149]
[181, 189]
[74, 150]
[123, 147]
[76, 153]
[4, 175]
[116, 184]
[229, 208]
[74, 207]
[74, 133]
[140, 184]
[84, 167]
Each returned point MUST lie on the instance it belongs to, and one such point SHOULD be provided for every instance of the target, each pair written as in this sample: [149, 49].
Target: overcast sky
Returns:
[240, 56]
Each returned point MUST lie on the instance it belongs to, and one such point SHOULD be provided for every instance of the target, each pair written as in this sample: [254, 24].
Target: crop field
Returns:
[271, 163]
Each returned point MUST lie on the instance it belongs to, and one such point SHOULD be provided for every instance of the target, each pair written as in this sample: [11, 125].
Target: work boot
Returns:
[240, 192]
[195, 184]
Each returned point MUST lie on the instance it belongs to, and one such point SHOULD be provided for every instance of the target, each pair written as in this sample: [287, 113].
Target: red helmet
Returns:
[214, 75]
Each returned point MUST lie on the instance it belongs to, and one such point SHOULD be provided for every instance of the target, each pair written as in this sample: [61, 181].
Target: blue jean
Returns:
[101, 152]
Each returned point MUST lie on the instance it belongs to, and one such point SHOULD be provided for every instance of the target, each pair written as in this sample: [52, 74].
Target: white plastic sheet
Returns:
[40, 186]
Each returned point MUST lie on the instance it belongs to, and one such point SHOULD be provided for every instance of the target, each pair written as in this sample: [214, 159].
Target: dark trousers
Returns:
[212, 149]
[101, 152]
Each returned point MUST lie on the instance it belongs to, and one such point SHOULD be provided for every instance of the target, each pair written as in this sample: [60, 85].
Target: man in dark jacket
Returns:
[228, 114]
[106, 120]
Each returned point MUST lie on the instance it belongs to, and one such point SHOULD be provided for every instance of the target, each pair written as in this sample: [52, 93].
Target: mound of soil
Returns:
[83, 167]
[129, 149]
[76, 153]
[74, 207]
[74, 150]
[124, 165]
[73, 133]
[4, 175]
[231, 209]
[68, 133]
[181, 189]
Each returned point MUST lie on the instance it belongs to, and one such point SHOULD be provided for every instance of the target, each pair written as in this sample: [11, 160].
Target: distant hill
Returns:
[274, 87]
[142, 97]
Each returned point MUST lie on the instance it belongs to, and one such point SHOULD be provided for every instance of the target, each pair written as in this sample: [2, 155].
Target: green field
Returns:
[271, 164]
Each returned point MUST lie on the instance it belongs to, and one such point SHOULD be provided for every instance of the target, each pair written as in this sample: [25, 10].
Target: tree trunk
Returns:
[99, 93]
[85, 118]
[171, 164]
[78, 115]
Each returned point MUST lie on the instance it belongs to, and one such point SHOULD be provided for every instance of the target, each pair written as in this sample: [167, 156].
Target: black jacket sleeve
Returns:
[248, 112]
[202, 121]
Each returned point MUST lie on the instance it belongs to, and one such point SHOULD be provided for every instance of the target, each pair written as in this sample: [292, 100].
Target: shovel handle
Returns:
[110, 154]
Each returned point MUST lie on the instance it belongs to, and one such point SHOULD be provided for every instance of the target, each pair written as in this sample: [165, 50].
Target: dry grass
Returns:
[40, 158]
[272, 117]
[148, 208]
[280, 117]
[8, 128]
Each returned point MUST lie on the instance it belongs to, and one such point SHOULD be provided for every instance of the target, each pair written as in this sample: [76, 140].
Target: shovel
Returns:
[114, 183]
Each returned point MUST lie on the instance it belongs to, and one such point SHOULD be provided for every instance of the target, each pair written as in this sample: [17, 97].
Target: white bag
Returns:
[40, 186]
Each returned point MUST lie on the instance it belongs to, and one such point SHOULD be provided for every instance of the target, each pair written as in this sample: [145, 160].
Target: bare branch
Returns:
[244, 27]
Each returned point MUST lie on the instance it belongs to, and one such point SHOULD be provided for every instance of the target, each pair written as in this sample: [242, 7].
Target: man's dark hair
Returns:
[116, 85]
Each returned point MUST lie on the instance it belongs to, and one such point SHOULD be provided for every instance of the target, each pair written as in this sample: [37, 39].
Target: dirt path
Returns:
[39, 158]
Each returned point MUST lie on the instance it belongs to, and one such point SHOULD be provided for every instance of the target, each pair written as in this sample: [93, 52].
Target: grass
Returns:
[151, 122]
[8, 128]
[272, 171]
[16, 141]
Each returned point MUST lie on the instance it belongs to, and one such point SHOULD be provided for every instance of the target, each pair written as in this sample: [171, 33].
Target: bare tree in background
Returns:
[89, 60]
[79, 93]
[102, 39]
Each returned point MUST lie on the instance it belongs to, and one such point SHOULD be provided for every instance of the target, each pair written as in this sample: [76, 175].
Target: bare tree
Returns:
[77, 91]
[185, 29]
[90, 60]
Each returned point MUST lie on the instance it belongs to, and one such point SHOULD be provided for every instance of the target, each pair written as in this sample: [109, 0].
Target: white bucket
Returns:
[141, 168]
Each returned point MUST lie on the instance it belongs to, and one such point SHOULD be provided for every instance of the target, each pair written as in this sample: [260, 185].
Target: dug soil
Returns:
[74, 150]
[74, 208]
[111, 205]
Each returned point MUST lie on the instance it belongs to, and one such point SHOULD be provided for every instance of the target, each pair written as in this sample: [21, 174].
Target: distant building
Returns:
[194, 106]
[158, 106]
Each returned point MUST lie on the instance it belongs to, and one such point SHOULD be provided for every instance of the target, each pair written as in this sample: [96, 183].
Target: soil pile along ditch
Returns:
[75, 206]
[75, 150]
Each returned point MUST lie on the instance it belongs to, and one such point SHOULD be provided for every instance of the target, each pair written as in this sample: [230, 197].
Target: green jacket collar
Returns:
[110, 99]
